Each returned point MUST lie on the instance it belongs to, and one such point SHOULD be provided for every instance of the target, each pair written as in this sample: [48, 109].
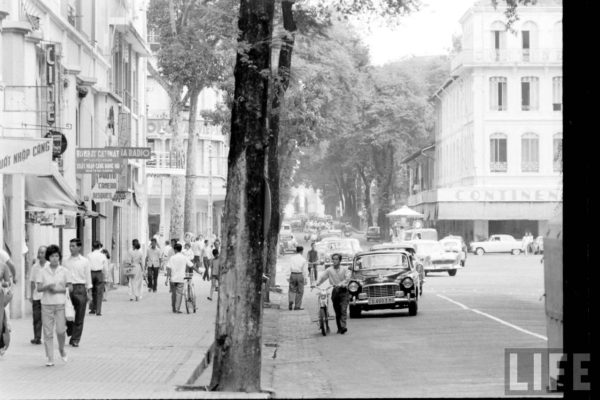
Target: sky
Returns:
[426, 32]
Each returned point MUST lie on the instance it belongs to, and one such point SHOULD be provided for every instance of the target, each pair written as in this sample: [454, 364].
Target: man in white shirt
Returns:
[298, 278]
[197, 250]
[206, 260]
[98, 264]
[176, 267]
[5, 259]
[153, 260]
[81, 275]
[339, 277]
[166, 254]
[36, 297]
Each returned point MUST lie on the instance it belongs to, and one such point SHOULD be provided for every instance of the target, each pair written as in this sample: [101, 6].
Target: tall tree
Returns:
[237, 356]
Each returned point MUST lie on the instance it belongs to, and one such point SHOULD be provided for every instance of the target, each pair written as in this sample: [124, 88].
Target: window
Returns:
[530, 153]
[498, 32]
[529, 93]
[557, 93]
[525, 41]
[498, 160]
[557, 152]
[498, 93]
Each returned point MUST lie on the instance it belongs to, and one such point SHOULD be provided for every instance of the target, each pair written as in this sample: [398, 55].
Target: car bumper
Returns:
[442, 267]
[399, 302]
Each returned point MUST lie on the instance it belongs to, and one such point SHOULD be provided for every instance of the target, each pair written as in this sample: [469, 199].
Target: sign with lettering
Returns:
[105, 187]
[59, 143]
[25, 156]
[495, 194]
[96, 160]
[143, 153]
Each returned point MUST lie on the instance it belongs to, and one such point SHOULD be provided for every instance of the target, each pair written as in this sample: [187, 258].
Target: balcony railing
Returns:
[506, 56]
[166, 160]
[498, 166]
[530, 166]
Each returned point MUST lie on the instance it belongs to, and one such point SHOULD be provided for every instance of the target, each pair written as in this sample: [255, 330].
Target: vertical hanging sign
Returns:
[51, 81]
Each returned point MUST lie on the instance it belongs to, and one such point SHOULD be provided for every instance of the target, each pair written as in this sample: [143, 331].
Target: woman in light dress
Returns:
[136, 259]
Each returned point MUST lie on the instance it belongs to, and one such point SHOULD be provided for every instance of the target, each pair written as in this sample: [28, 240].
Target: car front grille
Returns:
[381, 290]
[438, 262]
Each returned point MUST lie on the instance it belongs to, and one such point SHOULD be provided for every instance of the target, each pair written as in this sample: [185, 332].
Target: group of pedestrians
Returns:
[303, 270]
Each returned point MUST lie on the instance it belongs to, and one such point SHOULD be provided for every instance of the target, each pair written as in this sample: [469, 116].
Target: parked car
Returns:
[373, 233]
[538, 245]
[383, 279]
[285, 228]
[335, 233]
[456, 244]
[346, 247]
[420, 234]
[410, 249]
[435, 258]
[497, 244]
[287, 243]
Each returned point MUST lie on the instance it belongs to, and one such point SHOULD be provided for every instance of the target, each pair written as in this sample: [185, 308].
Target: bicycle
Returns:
[323, 297]
[189, 293]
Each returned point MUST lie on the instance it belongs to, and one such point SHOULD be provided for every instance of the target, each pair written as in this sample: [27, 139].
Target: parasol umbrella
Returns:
[404, 211]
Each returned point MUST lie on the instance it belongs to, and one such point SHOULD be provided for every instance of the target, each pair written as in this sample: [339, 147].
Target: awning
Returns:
[51, 191]
[404, 211]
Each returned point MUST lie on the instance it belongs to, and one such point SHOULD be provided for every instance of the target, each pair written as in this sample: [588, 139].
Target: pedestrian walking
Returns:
[135, 259]
[54, 281]
[176, 268]
[5, 259]
[205, 260]
[197, 250]
[153, 256]
[313, 261]
[98, 264]
[187, 251]
[6, 295]
[166, 254]
[36, 297]
[81, 277]
[338, 277]
[108, 274]
[214, 270]
[298, 278]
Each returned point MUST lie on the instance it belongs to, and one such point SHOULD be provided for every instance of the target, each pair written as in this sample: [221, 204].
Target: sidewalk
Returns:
[134, 350]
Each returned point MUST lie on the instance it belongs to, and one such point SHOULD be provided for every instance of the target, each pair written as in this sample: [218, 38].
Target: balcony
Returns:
[530, 166]
[166, 163]
[498, 166]
[506, 57]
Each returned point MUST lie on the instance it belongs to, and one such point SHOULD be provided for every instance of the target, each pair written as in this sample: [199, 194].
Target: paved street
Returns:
[135, 349]
[454, 346]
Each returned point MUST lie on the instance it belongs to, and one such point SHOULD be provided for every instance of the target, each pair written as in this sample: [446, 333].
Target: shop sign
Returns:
[500, 195]
[121, 197]
[97, 160]
[59, 143]
[25, 156]
[143, 153]
[105, 187]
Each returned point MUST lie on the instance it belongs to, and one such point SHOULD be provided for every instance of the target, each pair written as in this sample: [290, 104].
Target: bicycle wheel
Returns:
[323, 321]
[188, 301]
[193, 296]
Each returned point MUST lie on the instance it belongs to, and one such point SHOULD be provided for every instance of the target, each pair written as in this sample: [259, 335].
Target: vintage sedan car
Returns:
[335, 233]
[373, 233]
[456, 244]
[435, 258]
[346, 247]
[420, 234]
[383, 279]
[497, 244]
[287, 243]
[410, 249]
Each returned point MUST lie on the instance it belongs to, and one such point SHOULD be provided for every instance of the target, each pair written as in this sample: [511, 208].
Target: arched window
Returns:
[498, 93]
[530, 152]
[528, 39]
[498, 159]
[557, 151]
[530, 93]
[498, 40]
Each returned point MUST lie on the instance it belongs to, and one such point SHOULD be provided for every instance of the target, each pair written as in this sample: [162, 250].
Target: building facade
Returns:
[211, 164]
[498, 130]
[72, 71]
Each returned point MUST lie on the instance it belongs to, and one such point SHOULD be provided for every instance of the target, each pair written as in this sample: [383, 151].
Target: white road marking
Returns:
[518, 328]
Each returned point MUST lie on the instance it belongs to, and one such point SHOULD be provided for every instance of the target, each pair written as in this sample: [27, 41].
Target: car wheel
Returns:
[413, 308]
[479, 251]
[355, 312]
[426, 273]
[462, 263]
[516, 252]
[452, 272]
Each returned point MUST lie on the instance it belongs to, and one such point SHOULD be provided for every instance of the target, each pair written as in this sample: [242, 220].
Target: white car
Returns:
[435, 258]
[457, 245]
[286, 229]
[497, 244]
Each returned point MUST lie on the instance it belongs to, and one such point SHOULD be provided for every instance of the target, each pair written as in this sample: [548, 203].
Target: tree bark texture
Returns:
[177, 152]
[190, 166]
[384, 167]
[282, 81]
[367, 195]
[237, 355]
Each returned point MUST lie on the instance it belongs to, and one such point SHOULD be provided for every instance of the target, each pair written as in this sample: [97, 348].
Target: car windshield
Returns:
[451, 245]
[428, 248]
[376, 262]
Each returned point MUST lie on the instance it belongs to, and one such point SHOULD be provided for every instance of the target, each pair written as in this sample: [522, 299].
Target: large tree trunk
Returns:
[384, 166]
[177, 158]
[367, 195]
[190, 167]
[237, 356]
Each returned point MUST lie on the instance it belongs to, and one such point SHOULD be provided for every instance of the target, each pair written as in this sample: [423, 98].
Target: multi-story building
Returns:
[74, 71]
[211, 164]
[498, 136]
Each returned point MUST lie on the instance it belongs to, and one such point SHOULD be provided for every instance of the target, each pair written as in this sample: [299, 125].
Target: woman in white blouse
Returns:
[135, 258]
[53, 281]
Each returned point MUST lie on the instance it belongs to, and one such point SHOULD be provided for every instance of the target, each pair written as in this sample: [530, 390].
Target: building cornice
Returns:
[86, 80]
[72, 69]
[19, 27]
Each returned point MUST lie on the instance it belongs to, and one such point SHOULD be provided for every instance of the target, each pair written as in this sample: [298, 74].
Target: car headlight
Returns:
[353, 287]
[407, 283]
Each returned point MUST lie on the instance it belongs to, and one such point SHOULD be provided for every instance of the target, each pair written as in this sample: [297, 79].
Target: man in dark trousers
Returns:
[98, 264]
[313, 260]
[153, 265]
[298, 278]
[338, 277]
[81, 276]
